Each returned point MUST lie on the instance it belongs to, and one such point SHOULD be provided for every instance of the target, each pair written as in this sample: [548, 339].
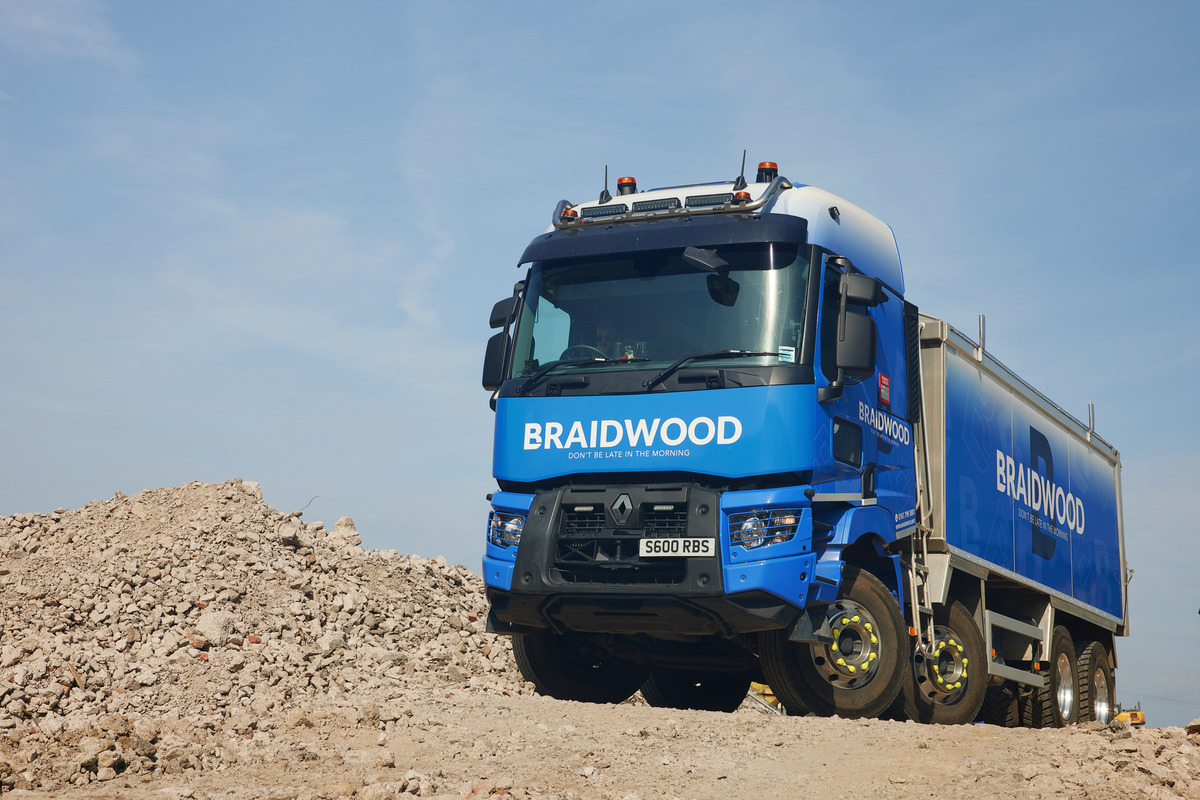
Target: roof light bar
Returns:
[708, 200]
[590, 212]
[665, 204]
[566, 215]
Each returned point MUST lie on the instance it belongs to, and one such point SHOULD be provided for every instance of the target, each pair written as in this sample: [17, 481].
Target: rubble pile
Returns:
[204, 602]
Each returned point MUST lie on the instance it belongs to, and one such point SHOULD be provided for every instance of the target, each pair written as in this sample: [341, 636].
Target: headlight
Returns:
[504, 530]
[759, 528]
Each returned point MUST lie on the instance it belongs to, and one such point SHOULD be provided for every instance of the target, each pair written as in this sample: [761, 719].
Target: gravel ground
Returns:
[194, 642]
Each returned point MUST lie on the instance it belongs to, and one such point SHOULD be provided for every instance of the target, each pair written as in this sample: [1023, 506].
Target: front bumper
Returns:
[576, 567]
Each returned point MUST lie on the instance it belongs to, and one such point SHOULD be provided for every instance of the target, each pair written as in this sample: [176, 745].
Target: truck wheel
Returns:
[948, 689]
[566, 668]
[1056, 705]
[1097, 684]
[859, 674]
[696, 689]
[1001, 706]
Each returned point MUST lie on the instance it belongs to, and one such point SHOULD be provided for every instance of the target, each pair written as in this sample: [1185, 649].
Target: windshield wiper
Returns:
[671, 370]
[536, 377]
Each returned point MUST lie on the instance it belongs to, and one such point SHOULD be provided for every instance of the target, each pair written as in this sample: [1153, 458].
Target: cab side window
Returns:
[830, 303]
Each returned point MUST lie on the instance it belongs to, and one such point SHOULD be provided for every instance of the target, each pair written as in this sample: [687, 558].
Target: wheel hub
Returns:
[1064, 679]
[942, 670]
[851, 658]
[1101, 711]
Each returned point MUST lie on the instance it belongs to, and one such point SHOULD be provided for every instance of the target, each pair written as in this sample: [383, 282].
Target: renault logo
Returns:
[621, 508]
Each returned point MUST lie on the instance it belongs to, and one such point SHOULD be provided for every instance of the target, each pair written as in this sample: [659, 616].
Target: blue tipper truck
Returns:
[730, 449]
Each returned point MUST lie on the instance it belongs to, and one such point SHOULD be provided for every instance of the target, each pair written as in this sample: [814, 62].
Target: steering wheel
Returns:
[577, 351]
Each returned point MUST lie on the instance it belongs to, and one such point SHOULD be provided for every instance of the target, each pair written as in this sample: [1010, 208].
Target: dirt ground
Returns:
[461, 743]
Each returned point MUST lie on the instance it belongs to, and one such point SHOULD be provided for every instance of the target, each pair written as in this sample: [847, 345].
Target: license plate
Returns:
[677, 547]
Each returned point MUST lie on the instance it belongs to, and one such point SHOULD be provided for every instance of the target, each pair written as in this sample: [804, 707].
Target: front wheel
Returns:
[696, 689]
[948, 686]
[860, 672]
[568, 667]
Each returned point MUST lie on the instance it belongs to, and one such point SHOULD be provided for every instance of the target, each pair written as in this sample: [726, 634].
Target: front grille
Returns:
[663, 523]
[588, 550]
[583, 520]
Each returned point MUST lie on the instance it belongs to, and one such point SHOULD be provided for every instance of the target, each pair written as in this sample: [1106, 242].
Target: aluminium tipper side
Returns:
[1019, 487]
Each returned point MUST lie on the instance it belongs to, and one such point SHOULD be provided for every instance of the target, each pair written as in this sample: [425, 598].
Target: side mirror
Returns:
[860, 289]
[855, 286]
[856, 350]
[504, 312]
[857, 332]
[493, 361]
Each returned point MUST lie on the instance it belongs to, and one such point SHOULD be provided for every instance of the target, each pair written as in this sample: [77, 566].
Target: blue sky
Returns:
[262, 240]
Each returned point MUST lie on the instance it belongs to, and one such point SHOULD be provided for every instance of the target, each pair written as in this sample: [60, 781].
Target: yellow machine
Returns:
[762, 694]
[1134, 716]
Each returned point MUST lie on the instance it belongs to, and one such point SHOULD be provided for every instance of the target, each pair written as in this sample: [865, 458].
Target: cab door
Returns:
[866, 453]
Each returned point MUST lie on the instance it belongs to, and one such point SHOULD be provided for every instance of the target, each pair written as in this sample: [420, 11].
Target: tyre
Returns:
[860, 672]
[947, 688]
[696, 689]
[1097, 684]
[564, 666]
[1001, 706]
[1056, 705]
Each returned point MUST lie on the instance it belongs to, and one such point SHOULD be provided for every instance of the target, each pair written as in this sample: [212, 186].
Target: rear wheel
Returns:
[568, 667]
[1097, 684]
[860, 672]
[697, 689]
[1056, 705]
[947, 688]
[1001, 706]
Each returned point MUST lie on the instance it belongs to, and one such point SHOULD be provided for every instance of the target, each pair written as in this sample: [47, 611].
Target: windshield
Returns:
[649, 309]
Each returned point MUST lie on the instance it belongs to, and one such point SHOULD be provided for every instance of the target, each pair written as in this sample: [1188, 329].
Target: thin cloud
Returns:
[46, 30]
